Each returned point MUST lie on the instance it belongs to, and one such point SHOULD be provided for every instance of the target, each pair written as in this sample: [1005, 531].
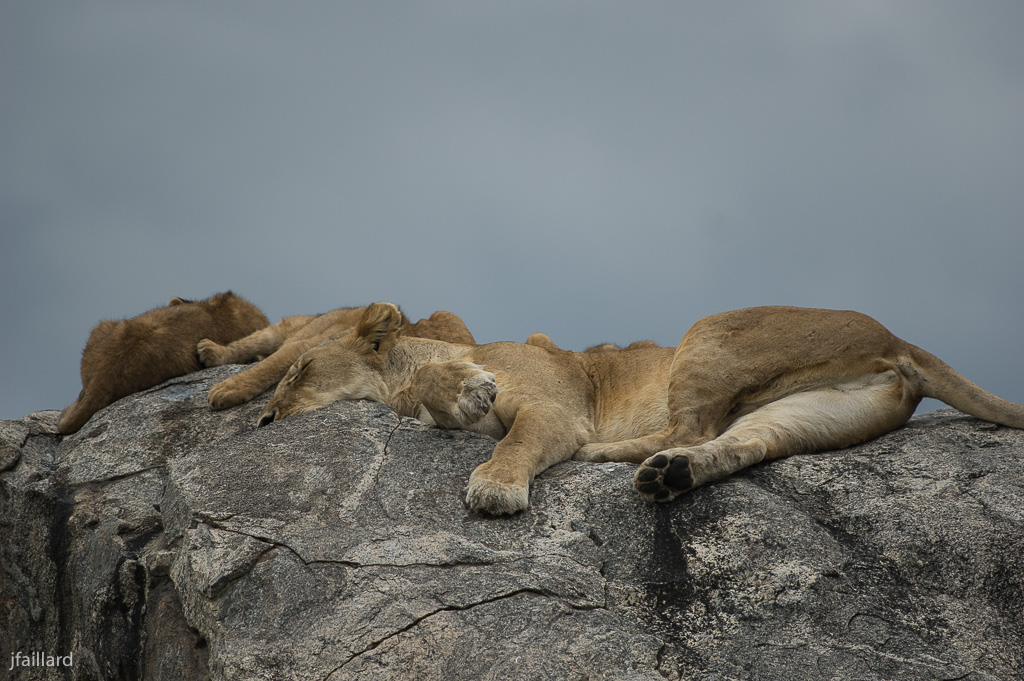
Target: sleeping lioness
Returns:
[278, 346]
[742, 387]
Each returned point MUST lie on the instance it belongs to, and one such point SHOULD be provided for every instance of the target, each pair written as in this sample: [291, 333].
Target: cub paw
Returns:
[476, 398]
[210, 353]
[223, 396]
[496, 498]
[663, 477]
[456, 394]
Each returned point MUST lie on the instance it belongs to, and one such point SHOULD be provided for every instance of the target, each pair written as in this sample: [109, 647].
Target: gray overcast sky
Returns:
[600, 171]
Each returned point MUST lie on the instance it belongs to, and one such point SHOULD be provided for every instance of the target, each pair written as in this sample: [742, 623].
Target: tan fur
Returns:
[123, 357]
[280, 346]
[742, 387]
[635, 345]
[542, 340]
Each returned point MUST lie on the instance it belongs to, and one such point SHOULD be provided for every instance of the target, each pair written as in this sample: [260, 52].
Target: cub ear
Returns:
[176, 301]
[296, 369]
[380, 327]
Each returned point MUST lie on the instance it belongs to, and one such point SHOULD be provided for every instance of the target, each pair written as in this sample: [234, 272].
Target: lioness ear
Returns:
[176, 301]
[380, 326]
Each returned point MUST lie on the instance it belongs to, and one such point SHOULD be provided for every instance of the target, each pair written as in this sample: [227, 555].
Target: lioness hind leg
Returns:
[806, 422]
[627, 451]
[456, 394]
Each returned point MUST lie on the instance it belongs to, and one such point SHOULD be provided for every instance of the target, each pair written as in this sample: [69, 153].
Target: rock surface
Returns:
[166, 541]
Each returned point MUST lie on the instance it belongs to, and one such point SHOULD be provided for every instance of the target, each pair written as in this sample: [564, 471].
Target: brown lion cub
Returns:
[742, 387]
[278, 346]
[123, 357]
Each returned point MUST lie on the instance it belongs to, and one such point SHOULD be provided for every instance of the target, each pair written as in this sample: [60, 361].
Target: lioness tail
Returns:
[942, 382]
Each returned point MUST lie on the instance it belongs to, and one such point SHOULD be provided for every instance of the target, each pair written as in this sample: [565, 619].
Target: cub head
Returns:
[242, 316]
[350, 367]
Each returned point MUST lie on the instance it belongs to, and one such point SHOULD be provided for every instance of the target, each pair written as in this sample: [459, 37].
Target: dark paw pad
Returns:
[661, 478]
[647, 475]
[678, 477]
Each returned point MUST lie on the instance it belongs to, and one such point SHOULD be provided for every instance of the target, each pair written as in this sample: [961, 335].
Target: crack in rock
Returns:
[448, 608]
[368, 480]
[115, 478]
[216, 558]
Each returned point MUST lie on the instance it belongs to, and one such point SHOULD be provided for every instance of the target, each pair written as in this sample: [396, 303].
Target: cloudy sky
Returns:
[600, 171]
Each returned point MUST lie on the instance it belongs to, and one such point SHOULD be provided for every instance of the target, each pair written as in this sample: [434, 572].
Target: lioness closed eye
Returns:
[742, 387]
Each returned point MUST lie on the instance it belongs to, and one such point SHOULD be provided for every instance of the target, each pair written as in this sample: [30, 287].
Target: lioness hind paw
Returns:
[664, 477]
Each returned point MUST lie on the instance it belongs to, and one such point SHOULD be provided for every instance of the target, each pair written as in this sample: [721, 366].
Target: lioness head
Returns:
[348, 367]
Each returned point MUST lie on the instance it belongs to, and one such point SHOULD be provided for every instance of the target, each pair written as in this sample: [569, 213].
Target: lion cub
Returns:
[278, 346]
[123, 357]
[742, 387]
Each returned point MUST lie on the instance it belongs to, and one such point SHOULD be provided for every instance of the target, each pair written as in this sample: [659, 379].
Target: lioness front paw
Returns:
[664, 477]
[223, 396]
[496, 498]
[210, 353]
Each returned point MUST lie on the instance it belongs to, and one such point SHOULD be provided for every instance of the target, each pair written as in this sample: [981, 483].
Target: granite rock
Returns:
[166, 541]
